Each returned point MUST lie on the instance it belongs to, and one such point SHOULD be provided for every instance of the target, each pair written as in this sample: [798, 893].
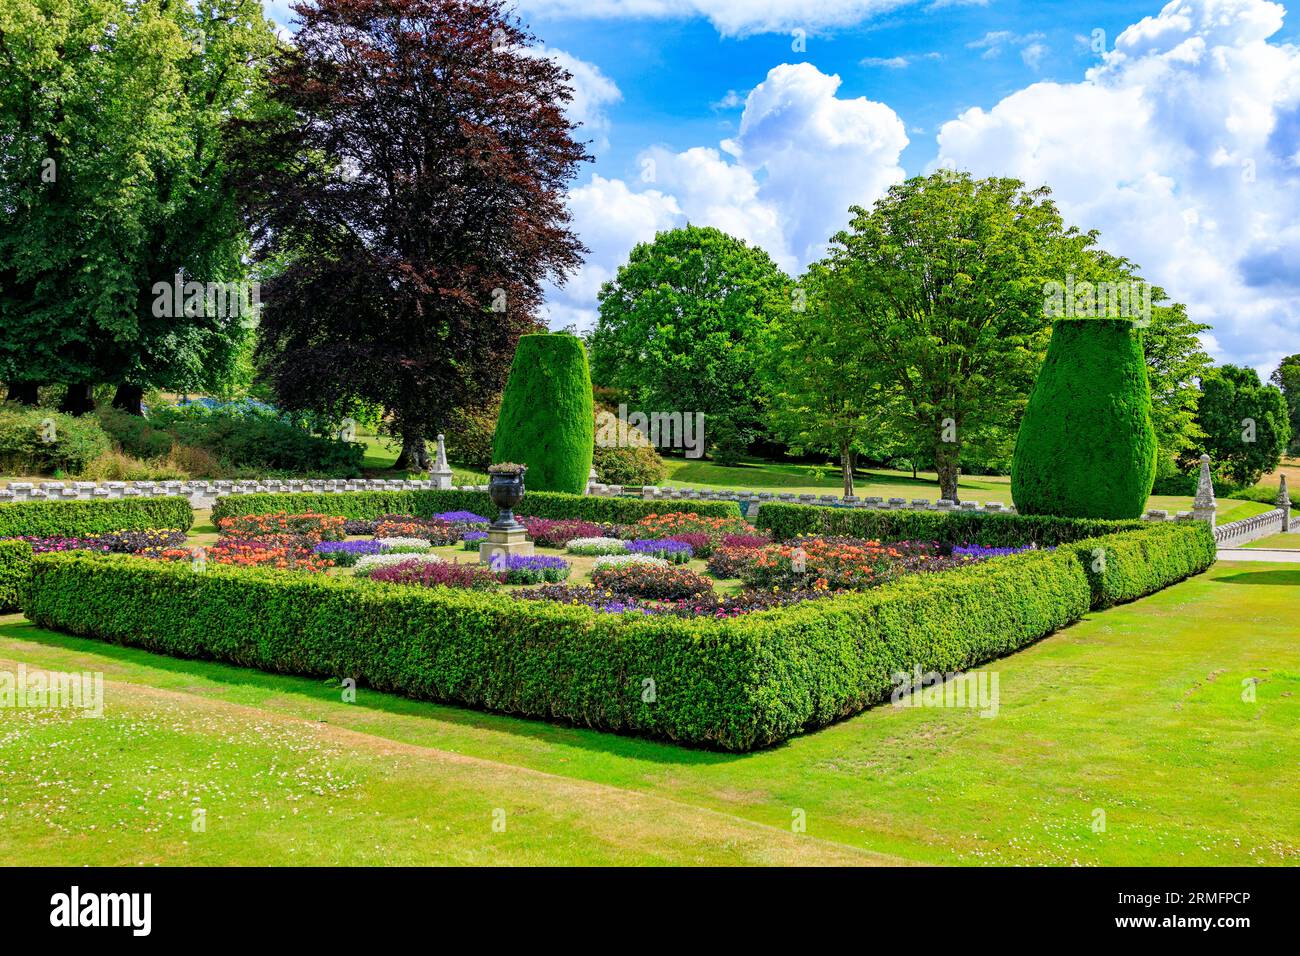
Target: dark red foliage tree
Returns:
[408, 204]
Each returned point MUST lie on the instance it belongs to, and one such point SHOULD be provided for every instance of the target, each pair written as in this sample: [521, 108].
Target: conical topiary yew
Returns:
[546, 419]
[1086, 447]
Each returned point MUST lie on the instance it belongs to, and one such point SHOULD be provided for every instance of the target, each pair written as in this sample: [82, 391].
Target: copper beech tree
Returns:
[407, 201]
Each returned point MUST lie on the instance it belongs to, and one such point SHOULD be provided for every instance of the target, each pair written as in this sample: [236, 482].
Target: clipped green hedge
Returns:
[538, 504]
[1125, 567]
[546, 413]
[786, 521]
[83, 518]
[734, 684]
[1086, 445]
[15, 568]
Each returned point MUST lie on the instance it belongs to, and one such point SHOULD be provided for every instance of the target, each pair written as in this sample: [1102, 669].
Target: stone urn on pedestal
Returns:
[505, 536]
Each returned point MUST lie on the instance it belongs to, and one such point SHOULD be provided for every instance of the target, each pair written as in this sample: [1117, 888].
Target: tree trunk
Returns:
[945, 463]
[24, 393]
[846, 466]
[129, 398]
[79, 399]
[414, 456]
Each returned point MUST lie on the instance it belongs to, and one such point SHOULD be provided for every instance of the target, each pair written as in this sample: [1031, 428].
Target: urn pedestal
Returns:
[505, 536]
[504, 541]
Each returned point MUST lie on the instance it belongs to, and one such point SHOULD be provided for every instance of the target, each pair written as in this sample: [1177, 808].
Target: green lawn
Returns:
[1137, 711]
[1283, 542]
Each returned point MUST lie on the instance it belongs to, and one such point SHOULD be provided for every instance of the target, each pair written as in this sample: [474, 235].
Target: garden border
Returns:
[736, 684]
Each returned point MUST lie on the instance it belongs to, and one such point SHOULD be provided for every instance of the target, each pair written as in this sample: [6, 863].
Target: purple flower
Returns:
[474, 536]
[979, 552]
[462, 517]
[348, 547]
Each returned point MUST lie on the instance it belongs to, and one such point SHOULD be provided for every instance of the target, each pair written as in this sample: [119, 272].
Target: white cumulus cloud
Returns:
[1181, 147]
[800, 158]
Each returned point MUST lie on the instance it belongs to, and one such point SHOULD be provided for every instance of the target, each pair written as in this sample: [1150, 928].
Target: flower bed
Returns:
[553, 533]
[310, 526]
[706, 531]
[736, 683]
[285, 553]
[532, 569]
[596, 546]
[368, 563]
[345, 554]
[404, 545]
[838, 564]
[671, 550]
[437, 574]
[655, 582]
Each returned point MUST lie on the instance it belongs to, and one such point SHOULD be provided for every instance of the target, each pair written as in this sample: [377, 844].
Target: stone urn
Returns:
[506, 490]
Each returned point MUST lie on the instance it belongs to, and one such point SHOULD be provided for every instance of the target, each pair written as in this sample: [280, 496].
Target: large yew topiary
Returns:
[546, 418]
[1087, 448]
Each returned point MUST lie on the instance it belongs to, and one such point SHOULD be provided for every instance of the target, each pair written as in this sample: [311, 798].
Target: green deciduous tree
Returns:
[1245, 423]
[1287, 377]
[680, 328]
[111, 168]
[942, 285]
[822, 393]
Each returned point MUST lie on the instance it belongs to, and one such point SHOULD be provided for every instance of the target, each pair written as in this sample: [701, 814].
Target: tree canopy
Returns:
[410, 192]
[681, 327]
[1245, 423]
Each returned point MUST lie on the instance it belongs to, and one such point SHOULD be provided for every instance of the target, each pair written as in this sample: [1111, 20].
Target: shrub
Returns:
[310, 525]
[1124, 567]
[246, 436]
[659, 582]
[15, 569]
[737, 684]
[23, 451]
[437, 574]
[788, 521]
[1086, 446]
[87, 518]
[596, 546]
[345, 554]
[532, 569]
[674, 552]
[546, 418]
[541, 504]
[623, 455]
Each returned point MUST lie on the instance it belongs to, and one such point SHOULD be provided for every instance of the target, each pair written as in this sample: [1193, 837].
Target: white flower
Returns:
[389, 544]
[596, 546]
[616, 559]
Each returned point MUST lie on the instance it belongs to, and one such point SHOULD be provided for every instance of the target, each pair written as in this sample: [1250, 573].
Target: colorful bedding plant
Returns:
[596, 546]
[282, 553]
[148, 543]
[678, 524]
[531, 569]
[440, 573]
[654, 582]
[344, 554]
[434, 530]
[368, 563]
[310, 526]
[558, 532]
[671, 550]
[472, 539]
[838, 563]
[403, 545]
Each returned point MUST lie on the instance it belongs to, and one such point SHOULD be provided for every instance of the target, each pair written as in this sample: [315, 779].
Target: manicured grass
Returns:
[1141, 711]
[1282, 542]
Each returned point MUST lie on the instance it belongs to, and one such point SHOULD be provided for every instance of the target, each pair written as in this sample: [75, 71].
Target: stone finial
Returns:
[1203, 504]
[440, 473]
[1284, 502]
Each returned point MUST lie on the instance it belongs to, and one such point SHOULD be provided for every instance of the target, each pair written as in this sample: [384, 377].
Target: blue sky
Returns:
[1173, 129]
